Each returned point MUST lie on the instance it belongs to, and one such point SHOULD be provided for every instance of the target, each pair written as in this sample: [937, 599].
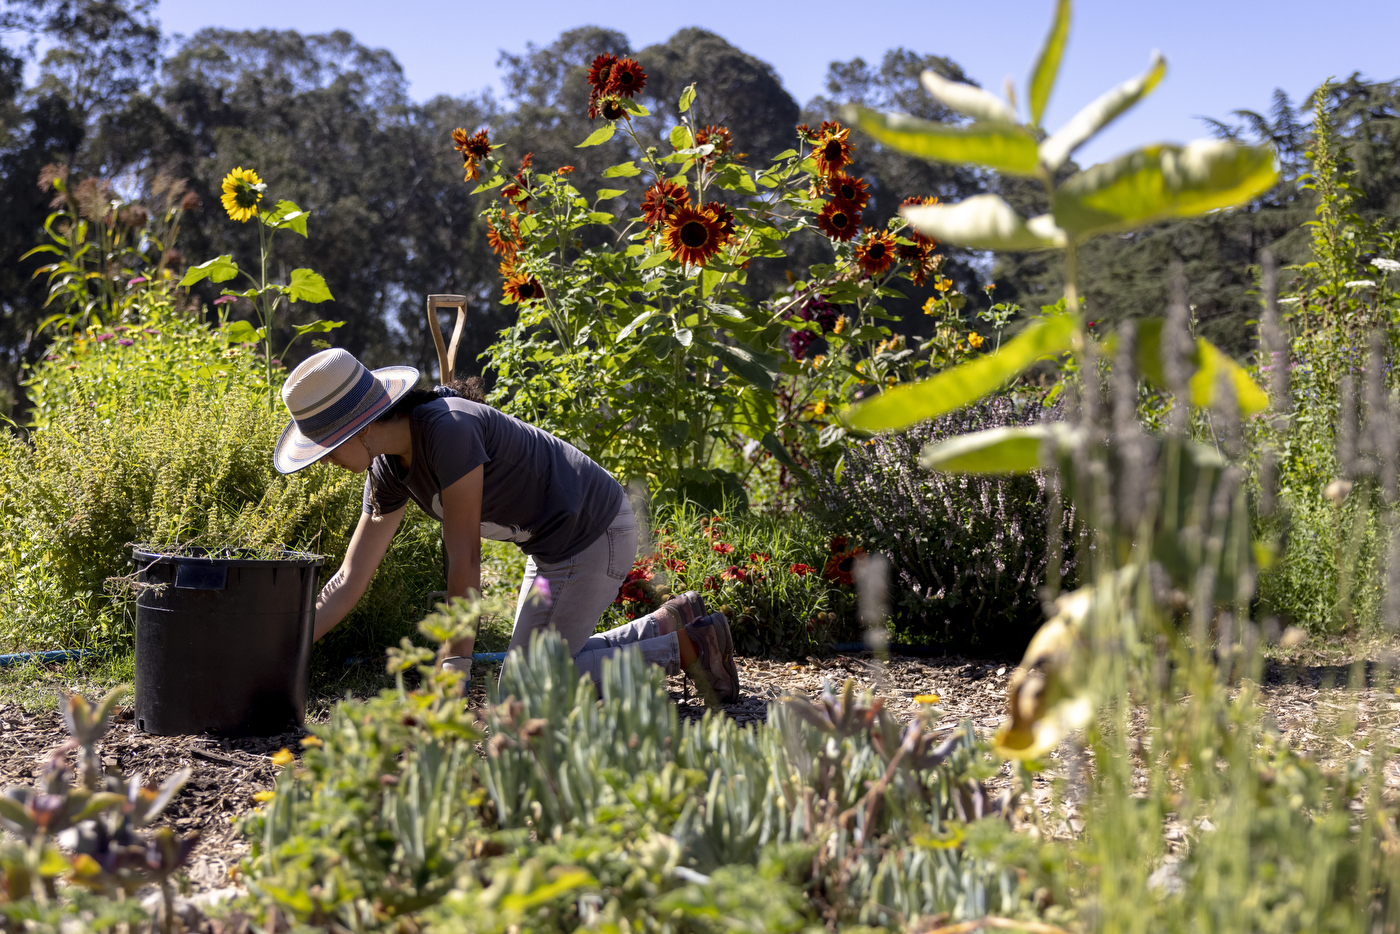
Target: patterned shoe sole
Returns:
[726, 648]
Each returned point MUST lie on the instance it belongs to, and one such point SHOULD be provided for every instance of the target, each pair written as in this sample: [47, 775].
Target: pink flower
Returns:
[126, 342]
[225, 299]
[105, 337]
[137, 281]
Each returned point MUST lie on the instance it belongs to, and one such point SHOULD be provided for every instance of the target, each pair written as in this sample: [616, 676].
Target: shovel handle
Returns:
[447, 354]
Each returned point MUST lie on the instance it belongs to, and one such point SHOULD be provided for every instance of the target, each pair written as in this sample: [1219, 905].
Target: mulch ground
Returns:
[227, 772]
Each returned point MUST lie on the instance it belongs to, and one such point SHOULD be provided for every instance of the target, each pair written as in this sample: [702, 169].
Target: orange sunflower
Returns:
[473, 148]
[522, 289]
[876, 252]
[504, 243]
[918, 257]
[718, 137]
[850, 190]
[694, 236]
[661, 199]
[838, 221]
[832, 152]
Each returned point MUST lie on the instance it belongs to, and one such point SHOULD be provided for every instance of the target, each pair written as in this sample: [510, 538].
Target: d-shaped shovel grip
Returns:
[447, 354]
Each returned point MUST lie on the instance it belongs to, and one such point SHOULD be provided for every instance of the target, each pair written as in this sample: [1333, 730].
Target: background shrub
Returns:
[127, 451]
[967, 553]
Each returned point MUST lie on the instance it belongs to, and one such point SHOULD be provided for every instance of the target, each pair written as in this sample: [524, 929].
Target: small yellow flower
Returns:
[926, 699]
[282, 756]
[818, 360]
[242, 192]
[943, 285]
[840, 326]
[975, 339]
[880, 347]
[819, 408]
[262, 797]
[312, 741]
[931, 306]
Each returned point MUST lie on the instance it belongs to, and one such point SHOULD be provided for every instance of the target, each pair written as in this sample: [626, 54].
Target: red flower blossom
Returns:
[711, 583]
[734, 573]
[838, 543]
[838, 221]
[849, 190]
[626, 78]
[875, 253]
[662, 199]
[832, 152]
[723, 548]
[759, 558]
[632, 590]
[841, 567]
[675, 564]
[802, 570]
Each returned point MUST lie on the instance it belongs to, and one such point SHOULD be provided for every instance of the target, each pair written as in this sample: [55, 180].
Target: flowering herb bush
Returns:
[637, 338]
[785, 587]
[967, 553]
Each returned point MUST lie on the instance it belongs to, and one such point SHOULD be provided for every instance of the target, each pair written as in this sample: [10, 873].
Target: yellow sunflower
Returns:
[242, 192]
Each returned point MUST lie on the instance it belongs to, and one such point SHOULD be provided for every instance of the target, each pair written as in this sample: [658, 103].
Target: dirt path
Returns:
[227, 772]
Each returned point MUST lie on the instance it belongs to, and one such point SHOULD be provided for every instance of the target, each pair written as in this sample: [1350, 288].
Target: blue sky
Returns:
[1222, 54]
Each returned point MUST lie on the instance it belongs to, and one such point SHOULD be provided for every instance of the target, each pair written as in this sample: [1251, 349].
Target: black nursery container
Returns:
[222, 641]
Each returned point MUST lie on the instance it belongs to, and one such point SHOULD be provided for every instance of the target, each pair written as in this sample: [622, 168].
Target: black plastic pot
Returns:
[222, 641]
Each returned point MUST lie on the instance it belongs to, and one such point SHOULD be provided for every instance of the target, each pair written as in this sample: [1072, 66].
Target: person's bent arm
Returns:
[345, 588]
[461, 535]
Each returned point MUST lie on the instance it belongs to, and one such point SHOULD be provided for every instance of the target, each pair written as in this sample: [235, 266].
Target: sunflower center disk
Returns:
[694, 234]
[832, 151]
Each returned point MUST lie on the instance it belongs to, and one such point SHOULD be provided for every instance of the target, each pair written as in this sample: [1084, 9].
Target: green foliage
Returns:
[614, 813]
[773, 576]
[653, 357]
[159, 432]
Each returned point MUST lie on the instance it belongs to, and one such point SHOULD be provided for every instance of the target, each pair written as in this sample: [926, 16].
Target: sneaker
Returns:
[715, 675]
[689, 606]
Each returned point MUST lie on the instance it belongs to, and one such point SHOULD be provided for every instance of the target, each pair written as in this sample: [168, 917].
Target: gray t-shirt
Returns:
[544, 494]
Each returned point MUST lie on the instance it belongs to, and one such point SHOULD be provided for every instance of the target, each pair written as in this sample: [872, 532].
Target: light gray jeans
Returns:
[581, 589]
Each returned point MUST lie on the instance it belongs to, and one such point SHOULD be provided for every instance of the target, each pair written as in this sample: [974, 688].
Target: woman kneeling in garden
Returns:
[481, 472]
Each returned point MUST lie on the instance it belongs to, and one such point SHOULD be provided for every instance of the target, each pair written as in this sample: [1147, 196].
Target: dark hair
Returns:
[471, 388]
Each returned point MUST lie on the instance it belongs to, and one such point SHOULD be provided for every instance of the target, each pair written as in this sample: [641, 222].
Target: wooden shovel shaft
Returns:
[447, 353]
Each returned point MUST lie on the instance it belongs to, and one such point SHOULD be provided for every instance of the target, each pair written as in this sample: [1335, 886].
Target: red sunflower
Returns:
[841, 567]
[522, 289]
[876, 252]
[600, 72]
[838, 221]
[832, 152]
[849, 190]
[693, 236]
[722, 216]
[474, 147]
[661, 199]
[917, 256]
[626, 78]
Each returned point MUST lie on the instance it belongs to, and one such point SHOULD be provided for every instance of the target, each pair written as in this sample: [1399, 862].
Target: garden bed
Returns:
[1300, 694]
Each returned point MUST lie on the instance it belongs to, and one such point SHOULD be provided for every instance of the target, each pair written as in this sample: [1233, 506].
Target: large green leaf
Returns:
[984, 222]
[287, 216]
[1006, 148]
[952, 389]
[996, 450]
[308, 286]
[598, 137]
[774, 445]
[622, 170]
[218, 269]
[1162, 181]
[752, 366]
[966, 99]
[1206, 363]
[756, 412]
[241, 332]
[1047, 64]
[1084, 125]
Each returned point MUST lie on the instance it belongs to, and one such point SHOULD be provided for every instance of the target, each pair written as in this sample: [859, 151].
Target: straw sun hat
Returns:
[331, 397]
